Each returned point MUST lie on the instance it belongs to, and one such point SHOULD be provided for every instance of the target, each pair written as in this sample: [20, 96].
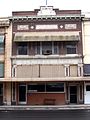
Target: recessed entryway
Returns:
[73, 94]
[22, 94]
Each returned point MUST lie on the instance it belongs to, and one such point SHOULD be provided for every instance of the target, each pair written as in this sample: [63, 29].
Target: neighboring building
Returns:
[5, 61]
[86, 60]
[47, 57]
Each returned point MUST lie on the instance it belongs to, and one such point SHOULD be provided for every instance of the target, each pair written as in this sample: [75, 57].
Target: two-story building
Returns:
[86, 58]
[5, 61]
[47, 64]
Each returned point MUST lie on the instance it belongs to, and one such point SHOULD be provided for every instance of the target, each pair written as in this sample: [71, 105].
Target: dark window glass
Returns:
[1, 70]
[36, 88]
[46, 48]
[71, 48]
[56, 48]
[1, 44]
[87, 69]
[22, 49]
[88, 88]
[55, 87]
[38, 48]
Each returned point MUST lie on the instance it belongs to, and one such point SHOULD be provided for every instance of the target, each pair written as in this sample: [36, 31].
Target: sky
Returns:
[7, 6]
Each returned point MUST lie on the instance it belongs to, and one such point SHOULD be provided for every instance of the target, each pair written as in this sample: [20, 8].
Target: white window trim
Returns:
[14, 71]
[67, 67]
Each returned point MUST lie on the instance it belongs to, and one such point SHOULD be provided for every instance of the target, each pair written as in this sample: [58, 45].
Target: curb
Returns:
[62, 107]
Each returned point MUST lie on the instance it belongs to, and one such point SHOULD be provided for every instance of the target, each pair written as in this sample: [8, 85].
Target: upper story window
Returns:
[1, 70]
[1, 44]
[71, 48]
[22, 48]
[86, 70]
[47, 48]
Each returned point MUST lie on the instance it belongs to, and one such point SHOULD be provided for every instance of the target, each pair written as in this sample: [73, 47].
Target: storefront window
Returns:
[46, 87]
[36, 88]
[55, 87]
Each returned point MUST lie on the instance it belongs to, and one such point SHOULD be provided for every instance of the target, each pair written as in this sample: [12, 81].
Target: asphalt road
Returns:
[46, 115]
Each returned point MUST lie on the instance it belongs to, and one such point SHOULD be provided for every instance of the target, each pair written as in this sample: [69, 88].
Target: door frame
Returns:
[20, 102]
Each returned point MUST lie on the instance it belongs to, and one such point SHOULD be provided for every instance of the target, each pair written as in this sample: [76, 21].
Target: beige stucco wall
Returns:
[7, 73]
[7, 93]
[86, 41]
[8, 51]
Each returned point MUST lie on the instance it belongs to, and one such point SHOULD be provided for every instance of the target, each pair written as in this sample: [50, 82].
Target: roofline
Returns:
[46, 17]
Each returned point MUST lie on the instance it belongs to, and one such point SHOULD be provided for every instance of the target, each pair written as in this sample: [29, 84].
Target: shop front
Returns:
[50, 93]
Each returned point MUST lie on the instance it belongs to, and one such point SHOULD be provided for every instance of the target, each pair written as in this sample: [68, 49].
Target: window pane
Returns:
[1, 39]
[1, 70]
[37, 48]
[1, 47]
[55, 87]
[36, 88]
[1, 44]
[88, 88]
[56, 48]
[71, 49]
[22, 49]
[46, 48]
[87, 69]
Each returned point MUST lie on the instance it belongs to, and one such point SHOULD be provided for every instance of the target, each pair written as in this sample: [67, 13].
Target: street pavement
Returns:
[45, 115]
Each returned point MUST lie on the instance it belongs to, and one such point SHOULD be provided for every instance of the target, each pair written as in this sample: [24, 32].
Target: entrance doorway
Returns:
[22, 94]
[73, 94]
[87, 94]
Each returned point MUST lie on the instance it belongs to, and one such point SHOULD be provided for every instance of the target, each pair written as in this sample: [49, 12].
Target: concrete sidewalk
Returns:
[46, 107]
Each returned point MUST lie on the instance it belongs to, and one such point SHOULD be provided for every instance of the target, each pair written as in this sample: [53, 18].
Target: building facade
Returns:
[47, 57]
[86, 59]
[5, 61]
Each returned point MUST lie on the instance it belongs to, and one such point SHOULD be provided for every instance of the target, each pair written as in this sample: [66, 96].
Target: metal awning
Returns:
[46, 36]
